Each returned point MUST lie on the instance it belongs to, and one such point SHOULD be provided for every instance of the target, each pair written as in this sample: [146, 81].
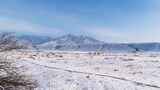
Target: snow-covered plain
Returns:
[89, 70]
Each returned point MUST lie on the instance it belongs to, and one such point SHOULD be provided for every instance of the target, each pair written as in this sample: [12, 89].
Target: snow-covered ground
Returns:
[90, 71]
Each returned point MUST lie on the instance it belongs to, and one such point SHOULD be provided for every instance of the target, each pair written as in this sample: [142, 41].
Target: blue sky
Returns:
[107, 20]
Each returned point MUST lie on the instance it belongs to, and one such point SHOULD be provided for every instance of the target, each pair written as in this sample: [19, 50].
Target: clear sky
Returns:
[107, 20]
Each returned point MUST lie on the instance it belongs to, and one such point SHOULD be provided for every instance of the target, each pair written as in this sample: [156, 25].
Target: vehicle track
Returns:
[97, 74]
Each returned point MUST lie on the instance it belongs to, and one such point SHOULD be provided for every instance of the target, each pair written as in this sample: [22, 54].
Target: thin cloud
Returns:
[12, 25]
[123, 36]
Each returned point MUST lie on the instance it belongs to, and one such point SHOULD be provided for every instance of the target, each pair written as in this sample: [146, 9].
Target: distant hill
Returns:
[9, 41]
[35, 39]
[83, 43]
[72, 42]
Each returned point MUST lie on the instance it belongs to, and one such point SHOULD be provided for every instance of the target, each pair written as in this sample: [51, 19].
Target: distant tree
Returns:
[137, 50]
[58, 47]
[79, 46]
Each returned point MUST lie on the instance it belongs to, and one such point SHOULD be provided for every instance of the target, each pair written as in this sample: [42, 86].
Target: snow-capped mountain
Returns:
[85, 43]
[76, 40]
[82, 43]
[72, 42]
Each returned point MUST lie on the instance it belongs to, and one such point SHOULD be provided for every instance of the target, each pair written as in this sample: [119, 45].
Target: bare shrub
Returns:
[11, 79]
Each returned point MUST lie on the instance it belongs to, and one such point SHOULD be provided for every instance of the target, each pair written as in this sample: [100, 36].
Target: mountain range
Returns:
[84, 43]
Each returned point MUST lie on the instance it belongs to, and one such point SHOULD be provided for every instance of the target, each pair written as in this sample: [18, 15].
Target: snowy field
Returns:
[89, 71]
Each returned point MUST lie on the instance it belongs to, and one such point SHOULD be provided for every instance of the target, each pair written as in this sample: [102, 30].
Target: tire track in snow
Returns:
[97, 74]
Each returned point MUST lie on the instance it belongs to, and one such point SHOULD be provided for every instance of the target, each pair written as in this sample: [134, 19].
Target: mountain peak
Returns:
[78, 40]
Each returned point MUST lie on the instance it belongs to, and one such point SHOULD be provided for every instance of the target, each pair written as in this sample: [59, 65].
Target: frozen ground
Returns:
[90, 71]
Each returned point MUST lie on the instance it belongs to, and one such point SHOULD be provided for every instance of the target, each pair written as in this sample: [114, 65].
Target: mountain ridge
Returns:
[71, 42]
[79, 43]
